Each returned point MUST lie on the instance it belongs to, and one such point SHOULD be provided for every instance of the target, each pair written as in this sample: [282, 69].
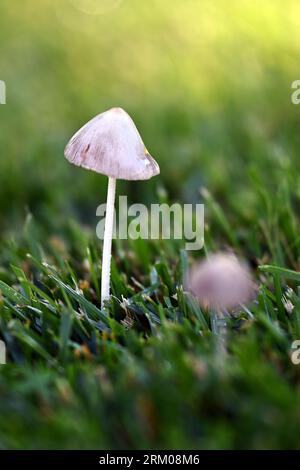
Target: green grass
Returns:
[145, 372]
[208, 84]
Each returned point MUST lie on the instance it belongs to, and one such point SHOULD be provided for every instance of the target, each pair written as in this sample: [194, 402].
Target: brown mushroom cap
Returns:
[110, 144]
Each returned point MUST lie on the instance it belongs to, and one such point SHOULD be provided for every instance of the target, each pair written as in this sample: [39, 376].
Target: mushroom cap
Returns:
[221, 282]
[110, 144]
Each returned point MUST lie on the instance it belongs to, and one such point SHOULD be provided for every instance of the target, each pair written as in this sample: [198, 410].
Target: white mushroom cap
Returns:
[221, 282]
[110, 144]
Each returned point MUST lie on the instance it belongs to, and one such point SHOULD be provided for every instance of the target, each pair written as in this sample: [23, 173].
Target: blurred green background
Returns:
[207, 82]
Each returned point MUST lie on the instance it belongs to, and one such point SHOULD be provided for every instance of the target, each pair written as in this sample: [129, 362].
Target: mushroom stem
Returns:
[108, 233]
[220, 329]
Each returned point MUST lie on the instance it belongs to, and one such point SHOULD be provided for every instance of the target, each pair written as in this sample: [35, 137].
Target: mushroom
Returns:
[110, 144]
[221, 283]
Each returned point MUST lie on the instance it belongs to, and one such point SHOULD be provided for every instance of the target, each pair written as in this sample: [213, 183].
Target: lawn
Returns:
[209, 87]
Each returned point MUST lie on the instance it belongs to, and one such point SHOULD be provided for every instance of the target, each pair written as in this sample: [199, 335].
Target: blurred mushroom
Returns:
[221, 283]
[110, 144]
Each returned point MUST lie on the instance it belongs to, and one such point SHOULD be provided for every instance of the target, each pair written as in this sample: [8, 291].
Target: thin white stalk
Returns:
[108, 233]
[219, 327]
